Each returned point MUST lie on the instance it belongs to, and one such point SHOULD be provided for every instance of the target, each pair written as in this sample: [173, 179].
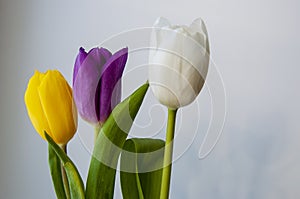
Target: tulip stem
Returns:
[96, 132]
[166, 175]
[64, 175]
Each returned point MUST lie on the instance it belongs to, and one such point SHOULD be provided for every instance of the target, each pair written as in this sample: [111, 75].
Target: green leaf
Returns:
[141, 168]
[74, 179]
[108, 146]
[55, 169]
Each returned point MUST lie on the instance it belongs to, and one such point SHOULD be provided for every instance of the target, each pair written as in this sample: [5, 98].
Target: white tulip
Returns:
[178, 62]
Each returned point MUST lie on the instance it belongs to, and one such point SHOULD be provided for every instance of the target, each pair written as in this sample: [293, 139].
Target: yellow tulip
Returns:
[50, 106]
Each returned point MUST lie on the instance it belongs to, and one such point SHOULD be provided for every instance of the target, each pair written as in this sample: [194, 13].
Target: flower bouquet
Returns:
[178, 66]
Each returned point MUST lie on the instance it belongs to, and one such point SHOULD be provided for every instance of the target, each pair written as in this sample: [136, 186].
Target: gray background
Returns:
[255, 45]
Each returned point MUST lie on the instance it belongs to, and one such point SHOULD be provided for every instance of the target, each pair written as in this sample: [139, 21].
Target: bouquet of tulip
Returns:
[178, 66]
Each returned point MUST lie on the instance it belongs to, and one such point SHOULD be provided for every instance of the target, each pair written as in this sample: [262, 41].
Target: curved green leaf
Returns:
[55, 170]
[74, 179]
[108, 146]
[141, 168]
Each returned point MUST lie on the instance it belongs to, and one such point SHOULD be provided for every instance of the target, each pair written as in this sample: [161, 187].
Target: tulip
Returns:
[97, 84]
[178, 62]
[50, 106]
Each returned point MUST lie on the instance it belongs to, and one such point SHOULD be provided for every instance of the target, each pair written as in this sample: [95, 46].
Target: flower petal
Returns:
[79, 59]
[109, 90]
[57, 102]
[33, 104]
[161, 22]
[199, 32]
[86, 83]
[178, 62]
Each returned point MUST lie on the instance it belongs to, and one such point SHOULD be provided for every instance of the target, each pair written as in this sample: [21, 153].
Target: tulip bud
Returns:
[178, 62]
[50, 106]
[96, 82]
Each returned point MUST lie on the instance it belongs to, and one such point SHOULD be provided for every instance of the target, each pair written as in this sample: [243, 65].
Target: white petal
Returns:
[198, 26]
[178, 62]
[161, 22]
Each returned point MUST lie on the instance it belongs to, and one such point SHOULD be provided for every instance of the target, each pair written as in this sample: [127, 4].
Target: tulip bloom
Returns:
[50, 106]
[179, 62]
[97, 82]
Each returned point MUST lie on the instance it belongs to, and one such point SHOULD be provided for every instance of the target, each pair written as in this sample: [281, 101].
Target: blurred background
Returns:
[255, 46]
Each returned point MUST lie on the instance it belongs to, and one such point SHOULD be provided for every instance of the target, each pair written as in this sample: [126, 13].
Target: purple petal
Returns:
[79, 59]
[86, 83]
[109, 89]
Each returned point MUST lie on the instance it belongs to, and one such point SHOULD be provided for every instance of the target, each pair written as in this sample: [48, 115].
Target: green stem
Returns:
[64, 175]
[96, 132]
[166, 175]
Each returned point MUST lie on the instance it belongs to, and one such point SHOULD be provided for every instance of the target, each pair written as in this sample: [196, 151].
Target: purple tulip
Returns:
[97, 82]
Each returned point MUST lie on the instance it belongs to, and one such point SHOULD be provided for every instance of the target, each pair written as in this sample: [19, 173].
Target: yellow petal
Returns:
[57, 103]
[33, 104]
